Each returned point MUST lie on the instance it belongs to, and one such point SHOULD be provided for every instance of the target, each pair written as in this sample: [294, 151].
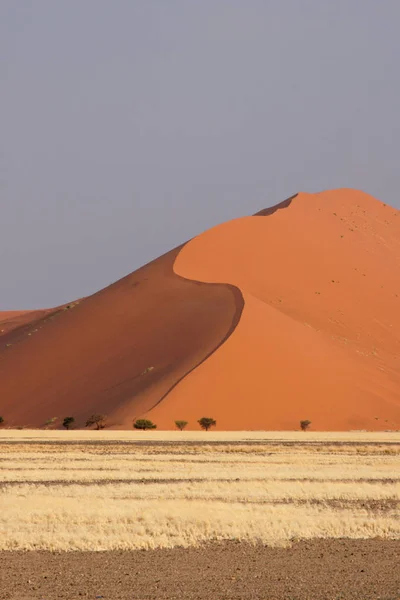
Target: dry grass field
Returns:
[93, 491]
[169, 515]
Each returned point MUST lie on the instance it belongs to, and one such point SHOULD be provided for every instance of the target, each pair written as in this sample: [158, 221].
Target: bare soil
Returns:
[313, 570]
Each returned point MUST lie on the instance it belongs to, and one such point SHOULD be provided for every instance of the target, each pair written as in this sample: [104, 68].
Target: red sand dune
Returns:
[293, 313]
[118, 352]
[11, 319]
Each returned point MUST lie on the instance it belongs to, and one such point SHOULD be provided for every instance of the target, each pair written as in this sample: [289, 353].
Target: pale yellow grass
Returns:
[76, 467]
[212, 471]
[198, 436]
[127, 497]
[99, 525]
[235, 491]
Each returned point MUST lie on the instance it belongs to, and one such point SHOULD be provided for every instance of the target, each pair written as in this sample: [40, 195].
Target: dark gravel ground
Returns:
[313, 570]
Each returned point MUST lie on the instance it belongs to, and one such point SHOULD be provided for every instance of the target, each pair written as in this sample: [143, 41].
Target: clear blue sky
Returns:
[128, 126]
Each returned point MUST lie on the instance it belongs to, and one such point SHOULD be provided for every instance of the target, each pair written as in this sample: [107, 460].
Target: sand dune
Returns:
[14, 319]
[290, 314]
[6, 315]
[117, 352]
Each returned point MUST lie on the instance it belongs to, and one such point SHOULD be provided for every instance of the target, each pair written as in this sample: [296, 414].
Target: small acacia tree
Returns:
[206, 423]
[144, 424]
[98, 420]
[68, 422]
[305, 424]
[1, 420]
[181, 424]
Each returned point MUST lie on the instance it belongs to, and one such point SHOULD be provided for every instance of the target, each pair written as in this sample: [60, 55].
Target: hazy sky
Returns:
[128, 126]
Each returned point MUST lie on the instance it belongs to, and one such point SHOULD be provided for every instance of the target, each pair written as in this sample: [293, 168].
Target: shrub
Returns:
[144, 424]
[50, 421]
[147, 370]
[68, 422]
[206, 423]
[1, 420]
[98, 420]
[181, 424]
[305, 424]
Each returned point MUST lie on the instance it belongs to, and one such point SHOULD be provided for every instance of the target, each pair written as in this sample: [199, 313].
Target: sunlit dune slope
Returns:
[319, 336]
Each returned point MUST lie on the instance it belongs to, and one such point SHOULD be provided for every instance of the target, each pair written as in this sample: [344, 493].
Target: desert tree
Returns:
[305, 424]
[1, 420]
[98, 420]
[68, 422]
[144, 424]
[206, 423]
[181, 424]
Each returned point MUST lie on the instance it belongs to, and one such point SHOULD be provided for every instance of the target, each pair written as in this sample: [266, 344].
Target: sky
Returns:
[129, 126]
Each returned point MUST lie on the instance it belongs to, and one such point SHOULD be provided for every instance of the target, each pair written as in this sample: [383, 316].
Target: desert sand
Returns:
[117, 352]
[319, 335]
[13, 319]
[293, 313]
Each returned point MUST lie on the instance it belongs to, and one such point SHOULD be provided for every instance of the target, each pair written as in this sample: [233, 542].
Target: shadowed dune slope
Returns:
[117, 352]
[266, 212]
[7, 315]
[14, 319]
[22, 324]
[319, 336]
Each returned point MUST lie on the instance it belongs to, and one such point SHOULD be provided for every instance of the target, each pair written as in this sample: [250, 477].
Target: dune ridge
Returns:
[321, 308]
[14, 319]
[116, 352]
[259, 322]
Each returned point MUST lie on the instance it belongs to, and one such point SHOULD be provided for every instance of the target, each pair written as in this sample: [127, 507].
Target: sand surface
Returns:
[117, 352]
[319, 336]
[291, 314]
[13, 319]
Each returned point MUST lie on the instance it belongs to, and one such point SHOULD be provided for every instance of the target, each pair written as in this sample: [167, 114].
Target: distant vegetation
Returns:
[206, 423]
[144, 424]
[1, 420]
[68, 422]
[181, 424]
[98, 420]
[305, 424]
[147, 370]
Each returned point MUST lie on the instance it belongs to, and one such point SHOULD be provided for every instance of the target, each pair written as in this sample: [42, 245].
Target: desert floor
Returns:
[238, 515]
